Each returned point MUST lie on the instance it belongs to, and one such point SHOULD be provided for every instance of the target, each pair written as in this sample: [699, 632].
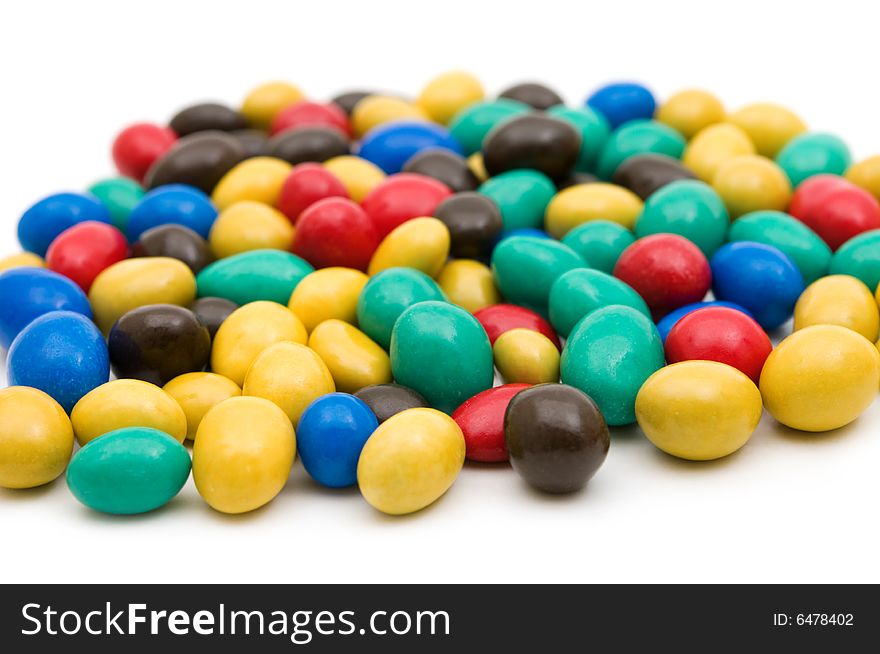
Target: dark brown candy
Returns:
[199, 160]
[386, 400]
[212, 311]
[556, 437]
[347, 101]
[645, 173]
[537, 141]
[177, 242]
[158, 342]
[206, 116]
[445, 166]
[533, 94]
[254, 141]
[575, 178]
[473, 221]
[309, 144]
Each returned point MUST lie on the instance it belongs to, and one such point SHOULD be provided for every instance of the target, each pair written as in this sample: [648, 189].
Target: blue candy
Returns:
[61, 353]
[46, 219]
[330, 436]
[28, 293]
[668, 322]
[758, 277]
[520, 231]
[176, 204]
[622, 102]
[391, 145]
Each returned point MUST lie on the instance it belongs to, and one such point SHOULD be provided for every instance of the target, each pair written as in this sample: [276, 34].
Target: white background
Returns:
[789, 507]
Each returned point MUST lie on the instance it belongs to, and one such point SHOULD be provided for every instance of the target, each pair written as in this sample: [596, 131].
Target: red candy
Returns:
[835, 208]
[138, 146]
[306, 184]
[720, 334]
[81, 252]
[667, 270]
[311, 114]
[481, 420]
[335, 232]
[500, 318]
[402, 197]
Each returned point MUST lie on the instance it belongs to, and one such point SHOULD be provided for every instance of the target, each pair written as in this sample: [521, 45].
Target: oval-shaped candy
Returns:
[377, 110]
[120, 195]
[609, 355]
[473, 221]
[255, 142]
[306, 184]
[501, 318]
[751, 183]
[537, 96]
[306, 113]
[665, 325]
[45, 220]
[621, 102]
[386, 400]
[446, 166]
[212, 311]
[410, 461]
[402, 197]
[470, 126]
[690, 111]
[441, 351]
[137, 147]
[839, 300]
[347, 100]
[298, 146]
[262, 104]
[198, 160]
[859, 257]
[635, 138]
[583, 203]
[768, 125]
[866, 174]
[258, 179]
[354, 360]
[813, 154]
[594, 131]
[174, 204]
[713, 146]
[242, 454]
[600, 243]
[357, 175]
[328, 293]
[836, 209]
[699, 410]
[206, 116]
[176, 242]
[335, 232]
[469, 284]
[481, 420]
[445, 95]
[83, 251]
[197, 393]
[249, 225]
[526, 356]
[579, 292]
[21, 260]
[645, 174]
[420, 243]
[392, 144]
[535, 141]
[521, 196]
[269, 275]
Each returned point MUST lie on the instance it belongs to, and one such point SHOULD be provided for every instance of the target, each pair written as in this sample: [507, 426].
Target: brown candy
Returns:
[645, 173]
[308, 144]
[537, 141]
[177, 242]
[386, 400]
[206, 116]
[533, 94]
[199, 160]
[347, 101]
[212, 311]
[575, 178]
[473, 221]
[448, 167]
[254, 141]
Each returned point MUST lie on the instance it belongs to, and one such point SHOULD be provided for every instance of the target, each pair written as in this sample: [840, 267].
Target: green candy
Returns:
[470, 125]
[688, 208]
[525, 268]
[130, 470]
[522, 197]
[119, 195]
[594, 130]
[609, 355]
[813, 154]
[859, 257]
[387, 295]
[579, 292]
[638, 137]
[599, 242]
[441, 351]
[800, 243]
[251, 276]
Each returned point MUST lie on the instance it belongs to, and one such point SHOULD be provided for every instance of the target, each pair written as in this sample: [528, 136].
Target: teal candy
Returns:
[599, 242]
[797, 241]
[579, 292]
[594, 130]
[470, 125]
[609, 355]
[251, 276]
[859, 257]
[638, 137]
[119, 195]
[441, 351]
[689, 208]
[525, 268]
[811, 154]
[387, 295]
[130, 470]
[522, 197]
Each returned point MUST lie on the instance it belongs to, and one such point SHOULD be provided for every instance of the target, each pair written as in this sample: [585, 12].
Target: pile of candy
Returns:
[341, 280]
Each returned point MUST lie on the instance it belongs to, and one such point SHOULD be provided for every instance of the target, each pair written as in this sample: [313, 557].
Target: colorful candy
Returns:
[328, 293]
[120, 195]
[526, 356]
[836, 209]
[621, 102]
[481, 420]
[535, 141]
[306, 184]
[690, 111]
[751, 183]
[499, 319]
[599, 242]
[470, 126]
[391, 145]
[212, 312]
[521, 196]
[305, 144]
[812, 154]
[714, 146]
[81, 252]
[197, 393]
[579, 292]
[859, 257]
[638, 137]
[583, 203]
[175, 242]
[645, 174]
[469, 284]
[269, 275]
[44, 221]
[199, 160]
[446, 166]
[353, 359]
[248, 225]
[403, 197]
[386, 400]
[768, 125]
[206, 116]
[139, 146]
[839, 300]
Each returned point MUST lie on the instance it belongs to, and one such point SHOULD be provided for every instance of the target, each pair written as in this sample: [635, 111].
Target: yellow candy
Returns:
[713, 146]
[248, 331]
[36, 439]
[357, 175]
[839, 300]
[375, 110]
[354, 360]
[768, 125]
[290, 375]
[866, 173]
[526, 356]
[133, 283]
[698, 410]
[410, 461]
[263, 103]
[820, 378]
[752, 183]
[420, 243]
[690, 111]
[249, 225]
[127, 403]
[328, 293]
[447, 94]
[582, 203]
[242, 454]
[478, 168]
[258, 178]
[469, 284]
[21, 260]
[197, 393]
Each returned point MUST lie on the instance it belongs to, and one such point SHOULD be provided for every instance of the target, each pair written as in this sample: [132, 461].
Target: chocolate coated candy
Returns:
[212, 311]
[533, 94]
[177, 242]
[206, 116]
[199, 160]
[386, 400]
[473, 221]
[308, 144]
[254, 141]
[535, 141]
[575, 178]
[646, 173]
[445, 166]
[347, 101]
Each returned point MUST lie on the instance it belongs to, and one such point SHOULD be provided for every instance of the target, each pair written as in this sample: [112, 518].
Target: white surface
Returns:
[789, 507]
